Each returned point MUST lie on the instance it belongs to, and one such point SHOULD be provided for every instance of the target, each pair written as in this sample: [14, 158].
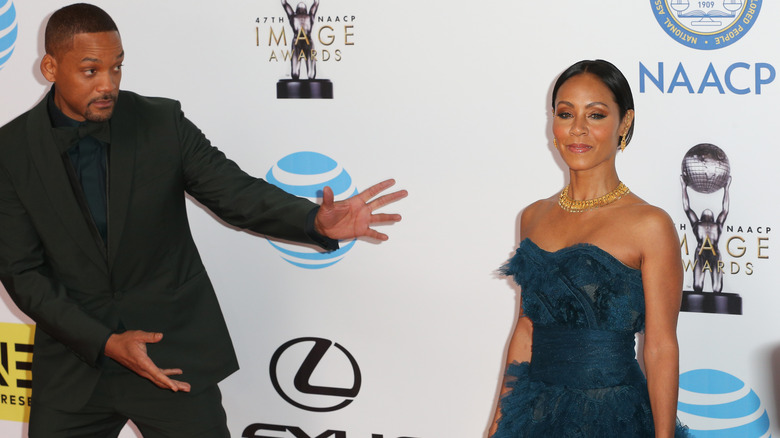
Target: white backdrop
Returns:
[452, 100]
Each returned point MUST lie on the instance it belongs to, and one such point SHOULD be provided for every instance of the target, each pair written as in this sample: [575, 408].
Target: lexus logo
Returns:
[303, 393]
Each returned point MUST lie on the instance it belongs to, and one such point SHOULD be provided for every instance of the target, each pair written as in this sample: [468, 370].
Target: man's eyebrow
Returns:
[88, 59]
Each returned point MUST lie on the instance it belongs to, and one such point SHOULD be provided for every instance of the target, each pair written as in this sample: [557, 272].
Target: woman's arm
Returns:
[662, 277]
[519, 350]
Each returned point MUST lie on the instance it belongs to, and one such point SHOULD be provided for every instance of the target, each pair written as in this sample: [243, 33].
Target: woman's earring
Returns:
[622, 143]
[555, 143]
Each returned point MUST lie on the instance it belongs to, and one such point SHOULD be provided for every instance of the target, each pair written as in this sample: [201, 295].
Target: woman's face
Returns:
[586, 123]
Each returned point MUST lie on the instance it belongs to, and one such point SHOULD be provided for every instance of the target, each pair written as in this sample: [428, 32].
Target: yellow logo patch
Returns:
[16, 354]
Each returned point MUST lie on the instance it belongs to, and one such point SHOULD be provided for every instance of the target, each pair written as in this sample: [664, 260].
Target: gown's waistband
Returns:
[584, 358]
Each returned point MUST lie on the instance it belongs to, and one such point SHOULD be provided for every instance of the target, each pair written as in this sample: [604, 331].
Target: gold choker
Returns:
[573, 206]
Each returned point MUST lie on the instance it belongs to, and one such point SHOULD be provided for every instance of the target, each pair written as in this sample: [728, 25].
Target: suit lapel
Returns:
[124, 139]
[48, 161]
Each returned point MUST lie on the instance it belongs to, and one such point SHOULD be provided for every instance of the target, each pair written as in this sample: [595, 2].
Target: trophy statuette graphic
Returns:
[302, 22]
[706, 170]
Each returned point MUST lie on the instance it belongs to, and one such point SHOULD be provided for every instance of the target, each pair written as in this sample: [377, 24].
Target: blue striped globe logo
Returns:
[715, 404]
[305, 174]
[8, 31]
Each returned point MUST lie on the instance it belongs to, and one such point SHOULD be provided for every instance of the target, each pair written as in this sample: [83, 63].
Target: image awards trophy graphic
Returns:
[706, 170]
[302, 22]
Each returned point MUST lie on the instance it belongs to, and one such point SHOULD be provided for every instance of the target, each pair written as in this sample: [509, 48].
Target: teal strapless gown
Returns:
[583, 379]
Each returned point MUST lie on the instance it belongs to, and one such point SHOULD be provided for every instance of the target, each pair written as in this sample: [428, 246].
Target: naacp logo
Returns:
[305, 174]
[8, 31]
[713, 403]
[315, 358]
[706, 25]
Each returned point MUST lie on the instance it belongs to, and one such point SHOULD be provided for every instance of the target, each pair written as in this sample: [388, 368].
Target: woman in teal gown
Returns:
[596, 264]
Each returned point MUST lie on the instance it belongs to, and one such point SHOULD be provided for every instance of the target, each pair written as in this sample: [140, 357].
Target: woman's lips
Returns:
[579, 148]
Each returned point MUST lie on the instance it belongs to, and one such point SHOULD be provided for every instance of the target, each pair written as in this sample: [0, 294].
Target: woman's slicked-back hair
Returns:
[611, 77]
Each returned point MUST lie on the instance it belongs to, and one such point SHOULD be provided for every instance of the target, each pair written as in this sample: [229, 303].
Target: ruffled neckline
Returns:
[579, 247]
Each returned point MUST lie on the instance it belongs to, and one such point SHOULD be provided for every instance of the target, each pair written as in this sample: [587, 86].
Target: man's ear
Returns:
[49, 67]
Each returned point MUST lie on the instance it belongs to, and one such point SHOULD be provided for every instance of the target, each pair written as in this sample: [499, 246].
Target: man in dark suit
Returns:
[95, 245]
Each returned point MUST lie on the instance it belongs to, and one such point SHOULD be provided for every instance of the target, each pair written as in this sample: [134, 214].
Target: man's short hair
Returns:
[65, 23]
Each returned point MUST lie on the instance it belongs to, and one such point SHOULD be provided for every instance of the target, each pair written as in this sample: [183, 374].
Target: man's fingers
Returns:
[376, 235]
[172, 372]
[376, 189]
[387, 199]
[327, 196]
[183, 386]
[161, 379]
[158, 378]
[129, 349]
[178, 385]
[385, 217]
[150, 338]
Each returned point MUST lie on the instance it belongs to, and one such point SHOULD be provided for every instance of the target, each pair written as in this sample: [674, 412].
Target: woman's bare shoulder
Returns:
[539, 207]
[648, 222]
[536, 211]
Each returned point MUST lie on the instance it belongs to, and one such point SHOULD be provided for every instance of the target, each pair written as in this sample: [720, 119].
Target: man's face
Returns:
[87, 75]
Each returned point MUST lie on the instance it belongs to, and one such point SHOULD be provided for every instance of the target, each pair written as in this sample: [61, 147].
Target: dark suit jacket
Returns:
[150, 277]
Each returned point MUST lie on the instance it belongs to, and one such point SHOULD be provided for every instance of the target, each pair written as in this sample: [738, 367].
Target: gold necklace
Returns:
[573, 206]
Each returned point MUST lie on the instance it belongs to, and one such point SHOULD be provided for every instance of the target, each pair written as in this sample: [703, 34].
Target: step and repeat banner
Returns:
[406, 338]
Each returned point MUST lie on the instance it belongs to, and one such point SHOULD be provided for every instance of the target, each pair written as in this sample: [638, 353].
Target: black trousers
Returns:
[158, 413]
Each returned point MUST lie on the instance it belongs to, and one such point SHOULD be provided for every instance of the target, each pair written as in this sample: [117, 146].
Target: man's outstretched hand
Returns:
[129, 349]
[354, 217]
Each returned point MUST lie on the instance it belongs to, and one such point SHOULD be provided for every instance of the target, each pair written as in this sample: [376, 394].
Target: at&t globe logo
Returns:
[714, 404]
[706, 25]
[8, 31]
[305, 174]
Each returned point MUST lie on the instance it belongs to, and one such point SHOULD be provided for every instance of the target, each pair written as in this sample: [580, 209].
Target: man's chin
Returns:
[100, 110]
[99, 116]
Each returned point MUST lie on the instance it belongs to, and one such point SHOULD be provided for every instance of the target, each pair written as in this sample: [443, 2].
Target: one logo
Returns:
[706, 170]
[8, 31]
[706, 25]
[303, 43]
[315, 360]
[714, 404]
[305, 174]
[302, 52]
[16, 348]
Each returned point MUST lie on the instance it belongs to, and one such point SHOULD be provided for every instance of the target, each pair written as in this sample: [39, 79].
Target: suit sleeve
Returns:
[27, 278]
[238, 198]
